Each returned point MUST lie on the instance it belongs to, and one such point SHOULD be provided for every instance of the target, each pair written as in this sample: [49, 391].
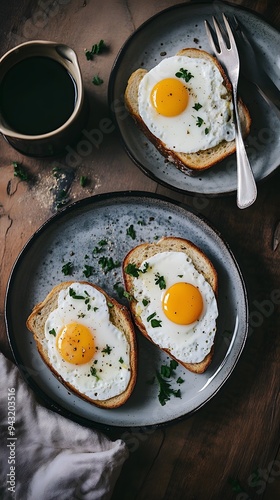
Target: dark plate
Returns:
[71, 235]
[162, 36]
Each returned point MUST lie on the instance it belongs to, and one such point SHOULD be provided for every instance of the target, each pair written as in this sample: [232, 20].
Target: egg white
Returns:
[187, 343]
[112, 369]
[181, 133]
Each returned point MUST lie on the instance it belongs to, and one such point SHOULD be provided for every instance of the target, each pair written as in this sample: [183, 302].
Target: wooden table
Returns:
[230, 448]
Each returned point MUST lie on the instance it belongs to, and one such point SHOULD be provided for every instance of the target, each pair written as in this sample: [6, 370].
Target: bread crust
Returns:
[139, 254]
[189, 163]
[119, 316]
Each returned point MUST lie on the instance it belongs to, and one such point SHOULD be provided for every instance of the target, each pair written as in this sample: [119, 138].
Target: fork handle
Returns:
[246, 185]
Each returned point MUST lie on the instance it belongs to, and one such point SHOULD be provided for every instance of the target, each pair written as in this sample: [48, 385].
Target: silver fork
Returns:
[246, 185]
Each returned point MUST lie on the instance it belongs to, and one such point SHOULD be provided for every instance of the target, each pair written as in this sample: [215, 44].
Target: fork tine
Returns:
[210, 37]
[220, 37]
[229, 32]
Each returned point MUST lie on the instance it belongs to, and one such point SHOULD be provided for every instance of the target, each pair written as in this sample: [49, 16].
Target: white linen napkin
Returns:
[50, 457]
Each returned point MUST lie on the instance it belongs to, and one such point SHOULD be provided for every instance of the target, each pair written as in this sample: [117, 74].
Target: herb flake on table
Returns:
[20, 172]
[97, 48]
[97, 80]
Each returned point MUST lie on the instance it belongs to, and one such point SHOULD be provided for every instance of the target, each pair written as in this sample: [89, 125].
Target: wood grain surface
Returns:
[230, 448]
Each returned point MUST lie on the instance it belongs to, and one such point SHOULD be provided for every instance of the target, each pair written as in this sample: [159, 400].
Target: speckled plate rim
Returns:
[116, 197]
[139, 162]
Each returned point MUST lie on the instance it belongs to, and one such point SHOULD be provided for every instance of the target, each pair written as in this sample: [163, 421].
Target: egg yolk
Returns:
[169, 97]
[182, 303]
[75, 343]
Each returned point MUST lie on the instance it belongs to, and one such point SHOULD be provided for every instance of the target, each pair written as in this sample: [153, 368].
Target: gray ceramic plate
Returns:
[163, 35]
[71, 235]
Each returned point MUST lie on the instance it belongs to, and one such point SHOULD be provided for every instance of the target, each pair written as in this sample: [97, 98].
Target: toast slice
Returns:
[188, 163]
[202, 264]
[119, 316]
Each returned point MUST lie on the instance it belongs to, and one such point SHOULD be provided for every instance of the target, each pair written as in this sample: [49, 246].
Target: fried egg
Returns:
[185, 104]
[84, 347]
[176, 305]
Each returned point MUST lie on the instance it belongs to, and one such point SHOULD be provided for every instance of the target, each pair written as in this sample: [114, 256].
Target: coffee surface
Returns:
[37, 95]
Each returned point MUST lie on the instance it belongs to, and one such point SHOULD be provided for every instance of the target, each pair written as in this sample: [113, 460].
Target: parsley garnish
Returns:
[207, 131]
[163, 378]
[88, 271]
[67, 268]
[97, 80]
[74, 295]
[107, 349]
[134, 271]
[180, 380]
[160, 281]
[121, 360]
[99, 247]
[83, 180]
[108, 264]
[197, 106]
[151, 316]
[168, 371]
[52, 332]
[165, 390]
[185, 74]
[93, 373]
[20, 172]
[154, 322]
[131, 232]
[145, 302]
[199, 121]
[96, 49]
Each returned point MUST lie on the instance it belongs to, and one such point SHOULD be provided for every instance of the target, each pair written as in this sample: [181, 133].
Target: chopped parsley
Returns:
[83, 180]
[74, 295]
[93, 372]
[97, 48]
[160, 281]
[107, 349]
[197, 106]
[52, 332]
[131, 232]
[108, 264]
[151, 316]
[99, 247]
[97, 80]
[164, 380]
[88, 271]
[168, 371]
[20, 172]
[199, 121]
[67, 268]
[154, 322]
[121, 360]
[165, 390]
[185, 74]
[145, 302]
[180, 380]
[207, 131]
[134, 271]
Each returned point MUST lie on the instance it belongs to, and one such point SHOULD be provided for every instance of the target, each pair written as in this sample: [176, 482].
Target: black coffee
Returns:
[37, 95]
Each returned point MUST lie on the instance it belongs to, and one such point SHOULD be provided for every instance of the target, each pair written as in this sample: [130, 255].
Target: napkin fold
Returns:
[44, 456]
